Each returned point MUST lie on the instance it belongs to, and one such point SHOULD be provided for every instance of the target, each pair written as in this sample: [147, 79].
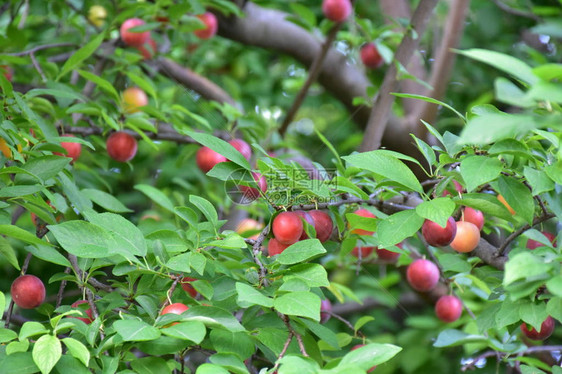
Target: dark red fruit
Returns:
[336, 10]
[121, 146]
[547, 327]
[134, 39]
[242, 147]
[448, 308]
[275, 248]
[305, 216]
[365, 251]
[206, 159]
[251, 193]
[322, 224]
[72, 149]
[422, 275]
[28, 291]
[387, 255]
[473, 216]
[87, 311]
[370, 56]
[211, 26]
[533, 244]
[187, 287]
[438, 236]
[287, 227]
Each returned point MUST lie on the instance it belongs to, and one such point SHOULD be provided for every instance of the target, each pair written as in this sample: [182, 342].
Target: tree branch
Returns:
[193, 81]
[442, 67]
[382, 105]
[312, 76]
[516, 12]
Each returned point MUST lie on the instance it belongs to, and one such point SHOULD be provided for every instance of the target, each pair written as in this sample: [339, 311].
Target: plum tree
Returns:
[206, 159]
[306, 218]
[323, 224]
[242, 147]
[370, 56]
[133, 99]
[473, 216]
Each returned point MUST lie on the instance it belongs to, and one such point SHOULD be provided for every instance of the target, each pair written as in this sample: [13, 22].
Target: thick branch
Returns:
[191, 80]
[312, 75]
[382, 106]
[442, 67]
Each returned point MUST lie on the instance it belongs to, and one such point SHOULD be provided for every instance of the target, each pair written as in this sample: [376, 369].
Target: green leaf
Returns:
[221, 147]
[386, 166]
[426, 150]
[80, 55]
[105, 200]
[518, 197]
[101, 83]
[539, 180]
[126, 235]
[133, 330]
[150, 365]
[180, 262]
[533, 314]
[398, 227]
[321, 331]
[480, 131]
[554, 308]
[314, 275]
[484, 202]
[77, 350]
[45, 168]
[554, 285]
[80, 202]
[554, 171]
[20, 234]
[8, 252]
[506, 63]
[248, 296]
[370, 355]
[17, 346]
[508, 313]
[430, 100]
[7, 335]
[48, 254]
[18, 363]
[453, 262]
[46, 353]
[213, 317]
[2, 302]
[17, 191]
[206, 208]
[155, 195]
[477, 170]
[238, 343]
[301, 251]
[298, 365]
[211, 369]
[451, 338]
[301, 303]
[438, 210]
[83, 239]
[30, 329]
[524, 265]
[190, 330]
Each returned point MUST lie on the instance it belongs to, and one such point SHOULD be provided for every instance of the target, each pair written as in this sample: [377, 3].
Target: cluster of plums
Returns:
[121, 146]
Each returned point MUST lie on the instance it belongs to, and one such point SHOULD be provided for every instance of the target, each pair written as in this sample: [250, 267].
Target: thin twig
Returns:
[61, 289]
[516, 12]
[256, 250]
[38, 67]
[171, 291]
[522, 229]
[287, 322]
[283, 351]
[40, 48]
[312, 76]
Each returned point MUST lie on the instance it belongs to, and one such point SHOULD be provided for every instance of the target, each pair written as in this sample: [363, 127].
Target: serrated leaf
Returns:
[438, 210]
[83, 239]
